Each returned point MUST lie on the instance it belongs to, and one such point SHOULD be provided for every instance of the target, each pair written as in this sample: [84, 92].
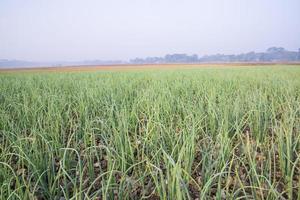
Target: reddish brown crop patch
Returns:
[130, 67]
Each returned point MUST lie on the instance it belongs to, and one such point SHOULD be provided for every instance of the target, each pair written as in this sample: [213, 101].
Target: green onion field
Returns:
[201, 133]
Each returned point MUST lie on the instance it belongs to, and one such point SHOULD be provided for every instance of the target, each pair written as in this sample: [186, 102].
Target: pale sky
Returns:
[52, 30]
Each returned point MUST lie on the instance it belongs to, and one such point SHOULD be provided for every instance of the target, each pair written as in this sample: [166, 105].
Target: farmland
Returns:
[173, 133]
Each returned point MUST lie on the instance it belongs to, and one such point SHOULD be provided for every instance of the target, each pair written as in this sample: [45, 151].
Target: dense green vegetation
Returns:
[157, 134]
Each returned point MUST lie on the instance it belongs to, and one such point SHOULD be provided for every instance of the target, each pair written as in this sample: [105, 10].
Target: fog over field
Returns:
[149, 99]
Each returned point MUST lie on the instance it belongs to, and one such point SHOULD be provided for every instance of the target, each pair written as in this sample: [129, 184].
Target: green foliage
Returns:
[157, 134]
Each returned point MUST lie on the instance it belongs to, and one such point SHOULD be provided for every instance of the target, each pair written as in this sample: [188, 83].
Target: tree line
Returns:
[272, 54]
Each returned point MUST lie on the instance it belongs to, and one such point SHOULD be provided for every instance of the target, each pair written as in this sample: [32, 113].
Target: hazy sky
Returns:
[51, 30]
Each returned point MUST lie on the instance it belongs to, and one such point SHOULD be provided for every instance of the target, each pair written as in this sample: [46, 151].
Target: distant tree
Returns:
[275, 49]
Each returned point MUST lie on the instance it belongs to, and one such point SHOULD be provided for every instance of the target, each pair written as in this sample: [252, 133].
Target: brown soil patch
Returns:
[139, 67]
